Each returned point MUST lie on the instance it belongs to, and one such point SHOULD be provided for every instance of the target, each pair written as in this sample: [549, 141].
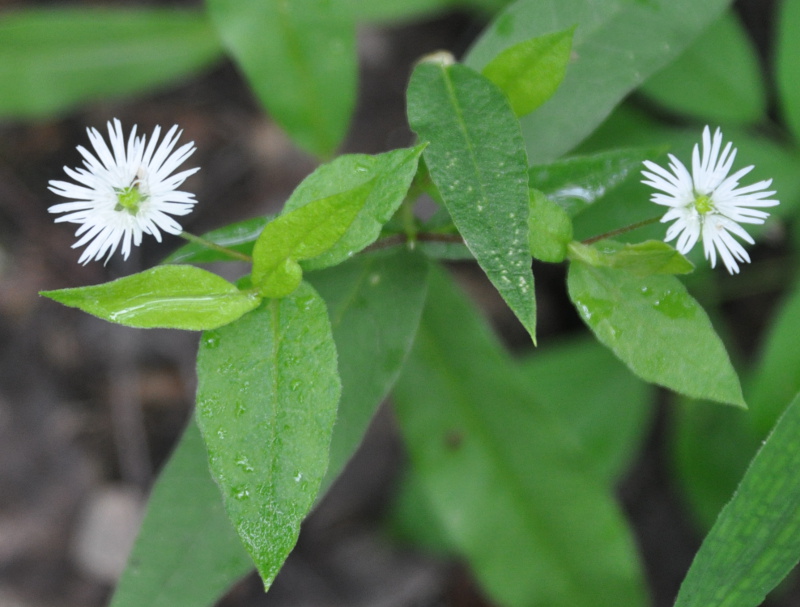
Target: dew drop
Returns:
[240, 493]
[244, 463]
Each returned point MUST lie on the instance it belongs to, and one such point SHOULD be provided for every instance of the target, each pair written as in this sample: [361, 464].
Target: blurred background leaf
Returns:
[717, 78]
[54, 60]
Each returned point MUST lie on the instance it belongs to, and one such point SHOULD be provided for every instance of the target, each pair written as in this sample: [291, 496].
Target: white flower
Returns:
[709, 204]
[125, 191]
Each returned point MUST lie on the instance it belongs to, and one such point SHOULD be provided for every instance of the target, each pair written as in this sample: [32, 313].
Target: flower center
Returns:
[703, 204]
[129, 199]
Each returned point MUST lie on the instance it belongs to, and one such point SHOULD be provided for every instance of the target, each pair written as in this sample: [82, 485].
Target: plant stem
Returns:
[216, 247]
[398, 239]
[619, 231]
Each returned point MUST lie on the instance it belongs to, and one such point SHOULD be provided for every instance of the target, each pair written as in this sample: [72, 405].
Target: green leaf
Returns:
[549, 229]
[787, 64]
[505, 479]
[776, 379]
[302, 234]
[388, 177]
[477, 159]
[52, 60]
[641, 259]
[267, 394]
[171, 297]
[580, 181]
[605, 405]
[755, 542]
[530, 72]
[655, 327]
[374, 302]
[239, 236]
[711, 448]
[617, 45]
[718, 78]
[300, 59]
[187, 553]
[382, 11]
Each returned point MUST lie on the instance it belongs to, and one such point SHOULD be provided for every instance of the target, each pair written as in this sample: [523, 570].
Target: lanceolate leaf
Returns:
[300, 59]
[375, 303]
[477, 159]
[617, 45]
[530, 72]
[505, 479]
[187, 553]
[267, 394]
[172, 297]
[657, 329]
[302, 234]
[755, 542]
[388, 177]
[51, 60]
[579, 181]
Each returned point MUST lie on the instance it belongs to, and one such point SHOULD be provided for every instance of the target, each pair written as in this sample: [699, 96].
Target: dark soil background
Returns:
[89, 411]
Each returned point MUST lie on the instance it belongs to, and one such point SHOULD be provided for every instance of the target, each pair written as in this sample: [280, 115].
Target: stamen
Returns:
[129, 198]
[703, 204]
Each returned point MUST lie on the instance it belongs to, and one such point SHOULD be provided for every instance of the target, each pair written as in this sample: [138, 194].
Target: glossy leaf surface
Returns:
[530, 72]
[506, 480]
[304, 233]
[387, 176]
[617, 45]
[52, 60]
[580, 181]
[755, 542]
[655, 327]
[187, 553]
[717, 79]
[476, 157]
[300, 59]
[267, 394]
[171, 297]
